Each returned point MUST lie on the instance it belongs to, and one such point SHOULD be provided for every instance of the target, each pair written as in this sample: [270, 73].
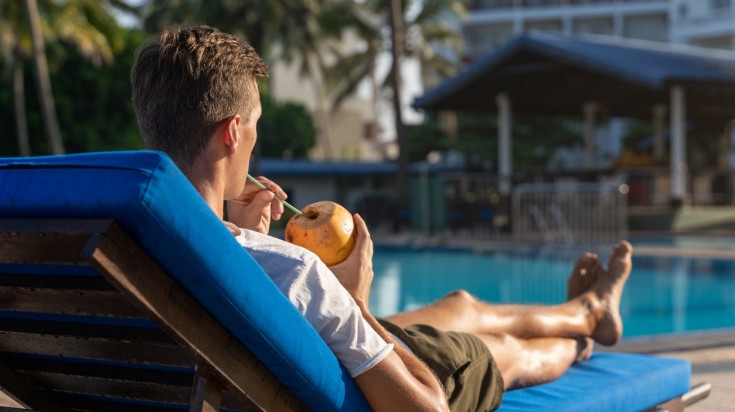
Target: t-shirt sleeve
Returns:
[326, 305]
[340, 323]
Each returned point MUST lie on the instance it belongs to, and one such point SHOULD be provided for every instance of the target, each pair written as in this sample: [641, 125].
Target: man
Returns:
[196, 97]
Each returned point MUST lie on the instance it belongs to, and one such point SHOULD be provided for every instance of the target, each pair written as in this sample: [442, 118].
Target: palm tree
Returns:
[9, 40]
[43, 80]
[24, 32]
[420, 29]
[292, 30]
[430, 35]
[319, 42]
[262, 23]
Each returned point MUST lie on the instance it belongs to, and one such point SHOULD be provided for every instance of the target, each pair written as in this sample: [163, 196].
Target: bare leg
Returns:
[594, 313]
[528, 362]
[459, 311]
[536, 344]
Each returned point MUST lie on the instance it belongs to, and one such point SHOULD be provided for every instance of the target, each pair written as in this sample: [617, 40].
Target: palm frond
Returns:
[343, 79]
[72, 25]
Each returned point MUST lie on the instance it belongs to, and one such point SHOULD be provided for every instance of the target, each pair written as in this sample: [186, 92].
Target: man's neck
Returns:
[209, 181]
[212, 196]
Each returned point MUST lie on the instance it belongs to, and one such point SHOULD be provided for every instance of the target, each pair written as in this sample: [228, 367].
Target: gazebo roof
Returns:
[554, 75]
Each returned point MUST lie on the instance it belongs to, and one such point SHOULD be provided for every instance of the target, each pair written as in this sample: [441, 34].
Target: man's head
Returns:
[186, 84]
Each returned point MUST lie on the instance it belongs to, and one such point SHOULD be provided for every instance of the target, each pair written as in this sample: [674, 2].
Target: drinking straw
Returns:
[285, 203]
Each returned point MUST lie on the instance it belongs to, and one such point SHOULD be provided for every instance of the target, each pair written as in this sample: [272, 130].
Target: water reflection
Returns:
[386, 289]
[664, 295]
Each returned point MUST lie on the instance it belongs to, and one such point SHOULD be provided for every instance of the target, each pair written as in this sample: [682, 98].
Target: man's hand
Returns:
[356, 272]
[254, 208]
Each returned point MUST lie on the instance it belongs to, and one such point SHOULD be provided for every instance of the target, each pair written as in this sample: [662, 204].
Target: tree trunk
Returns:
[45, 95]
[19, 103]
[321, 108]
[398, 42]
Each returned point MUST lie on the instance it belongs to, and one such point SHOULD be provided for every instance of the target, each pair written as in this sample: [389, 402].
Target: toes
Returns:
[596, 267]
[584, 275]
[620, 260]
[581, 263]
[622, 248]
[584, 263]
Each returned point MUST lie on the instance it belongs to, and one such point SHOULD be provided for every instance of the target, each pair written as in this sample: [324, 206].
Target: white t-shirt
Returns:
[317, 294]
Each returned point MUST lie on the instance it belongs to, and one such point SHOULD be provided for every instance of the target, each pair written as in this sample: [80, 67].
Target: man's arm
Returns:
[400, 381]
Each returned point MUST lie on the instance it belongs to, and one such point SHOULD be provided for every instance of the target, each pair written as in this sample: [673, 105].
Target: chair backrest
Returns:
[150, 199]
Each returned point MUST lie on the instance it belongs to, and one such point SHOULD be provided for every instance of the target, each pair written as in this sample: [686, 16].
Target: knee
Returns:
[462, 301]
[461, 295]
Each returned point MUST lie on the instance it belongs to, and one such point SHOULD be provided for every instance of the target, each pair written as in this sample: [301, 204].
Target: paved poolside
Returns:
[716, 366]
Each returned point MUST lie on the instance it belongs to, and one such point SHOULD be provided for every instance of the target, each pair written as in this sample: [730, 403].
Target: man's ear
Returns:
[231, 135]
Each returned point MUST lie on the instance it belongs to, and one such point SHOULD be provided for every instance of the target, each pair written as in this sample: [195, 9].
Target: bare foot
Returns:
[584, 275]
[584, 349]
[609, 289]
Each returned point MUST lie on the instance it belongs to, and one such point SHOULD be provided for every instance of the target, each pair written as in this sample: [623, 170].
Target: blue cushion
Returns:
[154, 202]
[607, 382]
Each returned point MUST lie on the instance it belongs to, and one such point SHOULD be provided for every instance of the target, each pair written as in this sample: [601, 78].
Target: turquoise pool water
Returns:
[664, 295]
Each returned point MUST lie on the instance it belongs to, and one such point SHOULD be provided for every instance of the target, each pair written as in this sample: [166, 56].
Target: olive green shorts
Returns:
[461, 361]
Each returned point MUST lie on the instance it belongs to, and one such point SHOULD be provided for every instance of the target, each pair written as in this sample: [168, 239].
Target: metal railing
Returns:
[569, 212]
[471, 205]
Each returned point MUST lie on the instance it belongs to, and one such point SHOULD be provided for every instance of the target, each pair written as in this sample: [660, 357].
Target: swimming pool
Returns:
[664, 294]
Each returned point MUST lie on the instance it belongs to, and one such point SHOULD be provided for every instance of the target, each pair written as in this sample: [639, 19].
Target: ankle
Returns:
[592, 308]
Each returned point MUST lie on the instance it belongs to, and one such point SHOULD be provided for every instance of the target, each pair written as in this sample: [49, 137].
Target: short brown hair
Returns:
[187, 82]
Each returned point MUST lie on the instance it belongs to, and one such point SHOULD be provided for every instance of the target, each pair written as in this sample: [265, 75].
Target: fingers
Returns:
[258, 210]
[251, 189]
[363, 235]
[254, 195]
[262, 199]
[356, 272]
[360, 228]
[273, 187]
[277, 208]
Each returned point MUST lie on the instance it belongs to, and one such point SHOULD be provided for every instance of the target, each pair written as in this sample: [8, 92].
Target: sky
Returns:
[125, 19]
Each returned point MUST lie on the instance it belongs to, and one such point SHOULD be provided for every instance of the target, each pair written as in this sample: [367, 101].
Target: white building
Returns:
[706, 23]
[348, 133]
[355, 129]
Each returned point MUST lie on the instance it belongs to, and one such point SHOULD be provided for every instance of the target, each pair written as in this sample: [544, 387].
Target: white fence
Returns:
[570, 212]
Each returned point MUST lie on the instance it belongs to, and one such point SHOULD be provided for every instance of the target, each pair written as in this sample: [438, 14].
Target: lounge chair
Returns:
[121, 290]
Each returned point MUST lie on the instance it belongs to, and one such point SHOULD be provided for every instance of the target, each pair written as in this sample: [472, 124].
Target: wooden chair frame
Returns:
[227, 374]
